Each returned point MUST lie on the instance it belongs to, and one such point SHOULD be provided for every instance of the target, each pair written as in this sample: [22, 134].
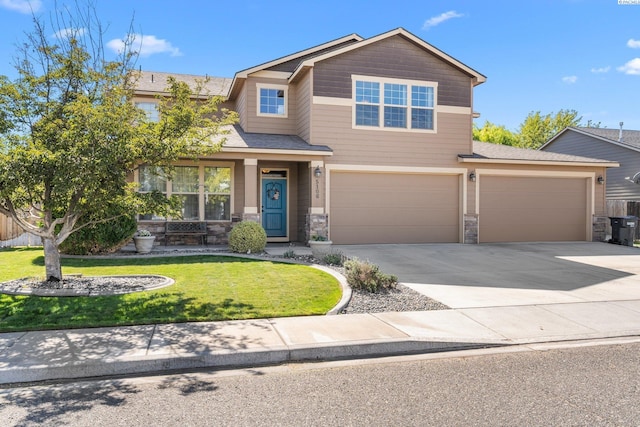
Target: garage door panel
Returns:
[393, 208]
[519, 209]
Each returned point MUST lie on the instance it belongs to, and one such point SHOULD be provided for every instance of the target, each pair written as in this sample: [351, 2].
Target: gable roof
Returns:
[486, 152]
[630, 138]
[321, 48]
[154, 82]
[476, 76]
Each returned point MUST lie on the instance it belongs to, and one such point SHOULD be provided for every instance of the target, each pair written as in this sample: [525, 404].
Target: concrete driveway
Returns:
[492, 275]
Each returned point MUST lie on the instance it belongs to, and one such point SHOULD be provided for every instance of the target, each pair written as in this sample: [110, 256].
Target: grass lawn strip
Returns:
[207, 288]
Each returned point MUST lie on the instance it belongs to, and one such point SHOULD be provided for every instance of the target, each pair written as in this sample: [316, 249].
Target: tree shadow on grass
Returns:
[19, 313]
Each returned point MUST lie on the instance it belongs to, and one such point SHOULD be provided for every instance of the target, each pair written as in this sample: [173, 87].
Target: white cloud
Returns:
[66, 33]
[436, 20]
[22, 6]
[633, 44]
[146, 46]
[570, 79]
[601, 70]
[632, 67]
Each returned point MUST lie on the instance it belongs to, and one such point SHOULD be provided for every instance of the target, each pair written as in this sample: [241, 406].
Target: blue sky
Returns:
[538, 55]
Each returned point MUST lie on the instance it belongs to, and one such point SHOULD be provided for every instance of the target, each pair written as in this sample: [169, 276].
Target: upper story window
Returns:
[272, 100]
[392, 104]
[150, 109]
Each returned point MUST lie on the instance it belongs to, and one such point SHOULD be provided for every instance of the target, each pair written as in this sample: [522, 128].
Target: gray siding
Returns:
[394, 57]
[618, 187]
[290, 66]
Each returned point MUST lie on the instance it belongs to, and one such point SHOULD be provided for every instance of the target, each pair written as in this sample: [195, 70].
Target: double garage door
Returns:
[532, 209]
[369, 208]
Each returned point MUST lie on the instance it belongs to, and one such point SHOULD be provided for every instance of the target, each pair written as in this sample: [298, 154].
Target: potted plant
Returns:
[143, 240]
[320, 246]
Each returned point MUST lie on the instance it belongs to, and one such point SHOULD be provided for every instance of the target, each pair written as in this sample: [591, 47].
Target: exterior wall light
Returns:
[317, 172]
[472, 177]
[600, 180]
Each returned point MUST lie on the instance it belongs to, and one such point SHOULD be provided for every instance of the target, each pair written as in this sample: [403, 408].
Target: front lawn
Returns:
[207, 288]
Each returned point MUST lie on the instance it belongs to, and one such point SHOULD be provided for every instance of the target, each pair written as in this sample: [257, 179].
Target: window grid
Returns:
[272, 101]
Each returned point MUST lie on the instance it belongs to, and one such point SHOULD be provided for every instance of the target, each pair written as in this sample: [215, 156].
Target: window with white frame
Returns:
[272, 100]
[393, 104]
[150, 109]
[205, 191]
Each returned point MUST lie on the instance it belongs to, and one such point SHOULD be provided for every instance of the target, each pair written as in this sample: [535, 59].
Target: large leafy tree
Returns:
[536, 129]
[71, 136]
[497, 134]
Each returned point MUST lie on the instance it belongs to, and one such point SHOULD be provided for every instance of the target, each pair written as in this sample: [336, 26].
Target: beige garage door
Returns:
[393, 208]
[526, 209]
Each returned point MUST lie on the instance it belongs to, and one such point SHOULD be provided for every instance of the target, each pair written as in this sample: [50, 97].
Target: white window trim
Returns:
[284, 88]
[382, 81]
[200, 166]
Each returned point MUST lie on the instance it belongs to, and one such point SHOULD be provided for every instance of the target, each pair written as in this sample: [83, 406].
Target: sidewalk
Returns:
[84, 353]
[147, 349]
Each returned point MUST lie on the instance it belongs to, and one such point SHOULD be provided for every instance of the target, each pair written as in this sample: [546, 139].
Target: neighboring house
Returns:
[369, 141]
[622, 146]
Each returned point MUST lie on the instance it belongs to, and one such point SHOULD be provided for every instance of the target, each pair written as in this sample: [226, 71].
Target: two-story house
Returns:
[369, 141]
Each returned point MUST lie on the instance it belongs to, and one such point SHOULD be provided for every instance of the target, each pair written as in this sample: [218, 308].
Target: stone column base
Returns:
[599, 230]
[470, 229]
[251, 217]
[317, 225]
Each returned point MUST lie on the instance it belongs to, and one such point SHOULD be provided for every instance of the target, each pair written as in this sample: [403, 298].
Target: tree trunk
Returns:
[51, 259]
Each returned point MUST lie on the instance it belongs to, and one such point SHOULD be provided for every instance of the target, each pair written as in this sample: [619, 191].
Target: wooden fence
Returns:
[11, 234]
[623, 208]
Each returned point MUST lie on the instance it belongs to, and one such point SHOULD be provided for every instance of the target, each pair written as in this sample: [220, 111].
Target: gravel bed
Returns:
[85, 286]
[401, 298]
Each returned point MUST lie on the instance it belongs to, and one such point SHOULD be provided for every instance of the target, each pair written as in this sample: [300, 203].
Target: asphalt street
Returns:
[595, 383]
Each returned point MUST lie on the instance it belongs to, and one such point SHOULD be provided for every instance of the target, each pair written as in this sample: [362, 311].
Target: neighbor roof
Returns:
[154, 82]
[486, 152]
[630, 138]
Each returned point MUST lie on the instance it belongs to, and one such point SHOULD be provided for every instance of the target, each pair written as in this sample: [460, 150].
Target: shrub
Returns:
[363, 275]
[289, 254]
[333, 258]
[247, 237]
[100, 238]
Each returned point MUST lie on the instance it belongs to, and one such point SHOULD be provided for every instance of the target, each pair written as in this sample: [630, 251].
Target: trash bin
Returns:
[623, 229]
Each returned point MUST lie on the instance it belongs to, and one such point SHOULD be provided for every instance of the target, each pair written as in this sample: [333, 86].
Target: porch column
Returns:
[317, 217]
[250, 211]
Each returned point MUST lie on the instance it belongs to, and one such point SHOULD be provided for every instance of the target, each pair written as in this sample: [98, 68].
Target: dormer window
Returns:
[272, 100]
[392, 104]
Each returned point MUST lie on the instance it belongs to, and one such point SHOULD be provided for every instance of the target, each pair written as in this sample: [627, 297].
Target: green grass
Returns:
[207, 288]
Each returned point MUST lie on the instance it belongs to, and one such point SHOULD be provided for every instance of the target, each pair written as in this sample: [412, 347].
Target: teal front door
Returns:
[274, 206]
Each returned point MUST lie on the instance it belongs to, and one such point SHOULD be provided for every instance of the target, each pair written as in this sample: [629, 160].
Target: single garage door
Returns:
[393, 208]
[532, 209]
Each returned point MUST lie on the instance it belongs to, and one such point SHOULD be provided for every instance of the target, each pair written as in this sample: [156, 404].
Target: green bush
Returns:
[247, 237]
[289, 254]
[100, 238]
[333, 258]
[363, 275]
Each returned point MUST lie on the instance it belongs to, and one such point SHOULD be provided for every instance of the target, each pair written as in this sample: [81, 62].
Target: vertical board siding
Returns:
[617, 185]
[303, 92]
[395, 57]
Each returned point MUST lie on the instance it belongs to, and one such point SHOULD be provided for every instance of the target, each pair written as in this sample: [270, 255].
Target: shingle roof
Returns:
[237, 138]
[153, 81]
[629, 137]
[489, 151]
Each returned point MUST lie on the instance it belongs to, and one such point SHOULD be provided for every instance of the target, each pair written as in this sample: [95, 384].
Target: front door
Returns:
[274, 206]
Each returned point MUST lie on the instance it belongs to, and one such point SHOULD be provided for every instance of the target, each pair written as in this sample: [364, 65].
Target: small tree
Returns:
[536, 129]
[71, 136]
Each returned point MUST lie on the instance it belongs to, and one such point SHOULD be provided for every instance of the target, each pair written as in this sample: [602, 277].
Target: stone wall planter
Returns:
[144, 244]
[320, 248]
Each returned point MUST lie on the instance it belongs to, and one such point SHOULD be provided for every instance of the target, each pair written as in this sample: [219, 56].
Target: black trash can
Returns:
[623, 229]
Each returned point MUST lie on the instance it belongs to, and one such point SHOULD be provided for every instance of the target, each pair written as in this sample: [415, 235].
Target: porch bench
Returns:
[186, 228]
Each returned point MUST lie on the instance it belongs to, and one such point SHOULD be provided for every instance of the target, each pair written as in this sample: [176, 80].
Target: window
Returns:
[272, 100]
[217, 193]
[394, 104]
[205, 191]
[151, 179]
[150, 109]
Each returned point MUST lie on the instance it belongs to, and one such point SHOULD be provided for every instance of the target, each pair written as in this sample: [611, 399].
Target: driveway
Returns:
[490, 275]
